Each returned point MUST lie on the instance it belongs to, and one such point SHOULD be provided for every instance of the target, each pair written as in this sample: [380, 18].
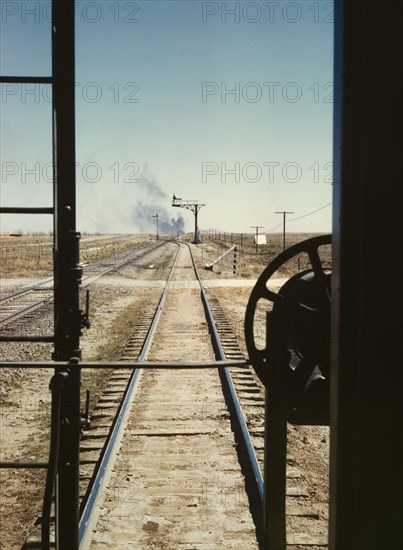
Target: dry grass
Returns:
[21, 492]
[251, 262]
[121, 331]
[118, 336]
[29, 256]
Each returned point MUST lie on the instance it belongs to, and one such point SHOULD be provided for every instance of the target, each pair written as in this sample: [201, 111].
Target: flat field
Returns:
[31, 255]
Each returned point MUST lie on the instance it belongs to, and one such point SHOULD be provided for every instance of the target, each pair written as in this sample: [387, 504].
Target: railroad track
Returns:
[20, 303]
[25, 301]
[158, 424]
[310, 529]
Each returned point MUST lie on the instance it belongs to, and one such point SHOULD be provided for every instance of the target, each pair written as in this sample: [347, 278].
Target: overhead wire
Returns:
[300, 217]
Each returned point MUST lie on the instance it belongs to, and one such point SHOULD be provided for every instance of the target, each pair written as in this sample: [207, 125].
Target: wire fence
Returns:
[251, 255]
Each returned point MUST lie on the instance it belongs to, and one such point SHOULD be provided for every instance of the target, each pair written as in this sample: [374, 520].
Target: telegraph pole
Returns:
[284, 216]
[156, 216]
[257, 227]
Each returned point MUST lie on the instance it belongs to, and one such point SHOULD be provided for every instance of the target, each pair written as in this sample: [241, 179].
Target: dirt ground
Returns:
[25, 397]
[116, 303]
[309, 445]
[178, 453]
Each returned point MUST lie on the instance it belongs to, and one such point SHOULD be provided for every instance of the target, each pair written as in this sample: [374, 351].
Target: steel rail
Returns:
[25, 290]
[257, 474]
[86, 280]
[25, 310]
[86, 267]
[133, 256]
[116, 430]
[220, 356]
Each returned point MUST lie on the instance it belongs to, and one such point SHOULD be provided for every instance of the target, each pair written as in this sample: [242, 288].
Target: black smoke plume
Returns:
[143, 217]
[145, 210]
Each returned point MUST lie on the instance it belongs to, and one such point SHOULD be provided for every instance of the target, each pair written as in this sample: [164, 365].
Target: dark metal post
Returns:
[283, 231]
[156, 216]
[275, 463]
[67, 273]
[284, 216]
[366, 416]
[196, 211]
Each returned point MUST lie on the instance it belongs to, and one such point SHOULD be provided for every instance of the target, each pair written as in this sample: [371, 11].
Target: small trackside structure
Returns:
[232, 251]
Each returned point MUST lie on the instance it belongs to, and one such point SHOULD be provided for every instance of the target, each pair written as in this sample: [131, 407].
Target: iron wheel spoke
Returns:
[316, 262]
[269, 295]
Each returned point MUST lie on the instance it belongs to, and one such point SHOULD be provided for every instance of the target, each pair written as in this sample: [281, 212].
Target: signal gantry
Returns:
[194, 206]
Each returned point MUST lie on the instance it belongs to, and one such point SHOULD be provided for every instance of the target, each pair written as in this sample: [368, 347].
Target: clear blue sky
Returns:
[155, 113]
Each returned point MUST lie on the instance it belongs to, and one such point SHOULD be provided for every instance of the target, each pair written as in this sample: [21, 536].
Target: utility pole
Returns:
[257, 227]
[284, 216]
[156, 216]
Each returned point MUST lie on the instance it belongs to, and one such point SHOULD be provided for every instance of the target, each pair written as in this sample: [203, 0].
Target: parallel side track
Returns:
[20, 303]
